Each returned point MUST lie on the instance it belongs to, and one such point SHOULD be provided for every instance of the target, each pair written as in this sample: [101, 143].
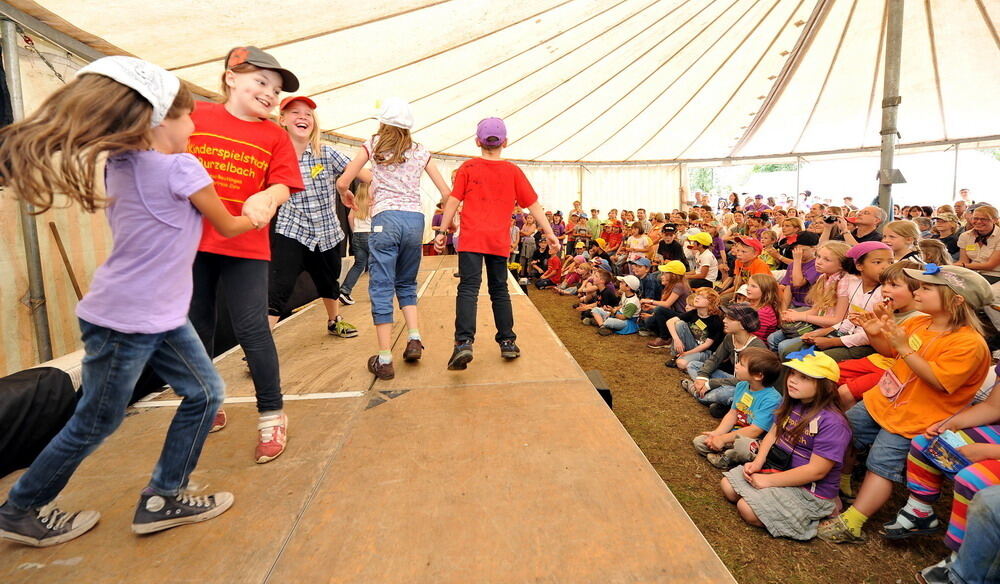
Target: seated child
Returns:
[792, 483]
[929, 383]
[603, 296]
[696, 332]
[747, 251]
[801, 273]
[710, 382]
[735, 439]
[539, 259]
[552, 276]
[649, 283]
[621, 320]
[860, 375]
[574, 278]
[672, 302]
[979, 428]
[704, 267]
[762, 295]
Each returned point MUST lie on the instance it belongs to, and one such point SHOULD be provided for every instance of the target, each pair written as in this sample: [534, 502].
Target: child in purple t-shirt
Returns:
[801, 273]
[792, 484]
[136, 310]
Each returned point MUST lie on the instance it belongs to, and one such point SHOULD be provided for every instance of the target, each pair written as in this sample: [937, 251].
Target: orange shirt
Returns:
[960, 360]
[757, 266]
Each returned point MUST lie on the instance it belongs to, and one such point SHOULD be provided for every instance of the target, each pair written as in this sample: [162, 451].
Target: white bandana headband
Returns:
[154, 83]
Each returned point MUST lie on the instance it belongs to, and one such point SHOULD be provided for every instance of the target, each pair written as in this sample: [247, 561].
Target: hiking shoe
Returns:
[272, 435]
[44, 526]
[345, 298]
[687, 385]
[658, 343]
[936, 574]
[219, 422]
[414, 350]
[836, 531]
[380, 370]
[718, 411]
[587, 320]
[158, 512]
[605, 331]
[719, 460]
[341, 328]
[460, 357]
[509, 350]
[671, 362]
[645, 333]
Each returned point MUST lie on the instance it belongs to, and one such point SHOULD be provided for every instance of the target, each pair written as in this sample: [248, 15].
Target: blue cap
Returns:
[642, 262]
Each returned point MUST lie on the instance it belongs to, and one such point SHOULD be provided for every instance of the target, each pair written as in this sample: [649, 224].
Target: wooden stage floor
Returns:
[505, 472]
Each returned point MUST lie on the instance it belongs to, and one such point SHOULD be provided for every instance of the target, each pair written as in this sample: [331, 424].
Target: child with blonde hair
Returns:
[360, 220]
[396, 240]
[136, 311]
[902, 237]
[827, 298]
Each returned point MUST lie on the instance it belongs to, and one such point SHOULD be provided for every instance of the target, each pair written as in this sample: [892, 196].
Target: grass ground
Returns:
[662, 419]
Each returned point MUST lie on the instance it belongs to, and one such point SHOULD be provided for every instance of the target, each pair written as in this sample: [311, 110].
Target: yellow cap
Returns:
[674, 267]
[701, 237]
[814, 363]
[600, 241]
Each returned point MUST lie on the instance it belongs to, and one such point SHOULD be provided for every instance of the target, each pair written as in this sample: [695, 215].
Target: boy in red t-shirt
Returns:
[489, 187]
[553, 273]
[255, 169]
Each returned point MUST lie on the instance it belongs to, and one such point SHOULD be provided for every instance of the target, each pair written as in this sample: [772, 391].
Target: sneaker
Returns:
[671, 362]
[413, 351]
[587, 321]
[836, 531]
[272, 435]
[509, 350]
[345, 298]
[645, 333]
[380, 370]
[219, 422]
[605, 331]
[460, 357]
[45, 525]
[658, 343]
[158, 512]
[718, 411]
[719, 460]
[936, 574]
[341, 328]
[687, 385]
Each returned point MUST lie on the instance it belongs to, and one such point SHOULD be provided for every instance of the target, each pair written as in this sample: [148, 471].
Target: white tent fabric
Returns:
[593, 80]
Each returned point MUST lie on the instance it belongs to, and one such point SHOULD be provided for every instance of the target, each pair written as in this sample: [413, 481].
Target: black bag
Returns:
[777, 459]
[34, 405]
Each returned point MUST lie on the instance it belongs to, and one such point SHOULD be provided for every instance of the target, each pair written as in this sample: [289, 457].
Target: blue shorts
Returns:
[887, 451]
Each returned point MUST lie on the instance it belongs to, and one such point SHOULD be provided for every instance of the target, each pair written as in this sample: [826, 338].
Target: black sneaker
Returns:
[158, 512]
[509, 350]
[718, 411]
[346, 299]
[45, 525]
[460, 357]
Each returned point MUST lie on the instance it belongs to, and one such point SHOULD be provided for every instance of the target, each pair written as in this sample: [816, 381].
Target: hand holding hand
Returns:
[348, 200]
[259, 208]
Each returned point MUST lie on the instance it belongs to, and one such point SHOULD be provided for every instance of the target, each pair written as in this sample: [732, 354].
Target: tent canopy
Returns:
[592, 80]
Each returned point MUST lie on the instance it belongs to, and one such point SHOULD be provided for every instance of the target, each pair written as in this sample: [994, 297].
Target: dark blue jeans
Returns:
[244, 286]
[395, 244]
[359, 243]
[111, 367]
[470, 271]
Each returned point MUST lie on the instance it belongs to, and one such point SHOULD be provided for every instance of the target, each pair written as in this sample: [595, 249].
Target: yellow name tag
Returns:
[856, 308]
[315, 171]
[914, 342]
[971, 247]
[700, 324]
[747, 400]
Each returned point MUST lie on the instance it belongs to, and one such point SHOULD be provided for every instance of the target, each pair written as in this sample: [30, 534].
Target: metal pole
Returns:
[954, 176]
[36, 286]
[798, 189]
[887, 175]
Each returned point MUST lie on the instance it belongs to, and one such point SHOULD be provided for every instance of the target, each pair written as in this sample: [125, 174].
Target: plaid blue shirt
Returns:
[310, 217]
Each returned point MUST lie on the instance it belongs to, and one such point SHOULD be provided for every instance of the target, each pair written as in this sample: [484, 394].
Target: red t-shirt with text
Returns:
[243, 158]
[490, 190]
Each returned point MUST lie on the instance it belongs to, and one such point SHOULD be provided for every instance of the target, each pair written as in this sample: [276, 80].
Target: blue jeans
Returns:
[978, 561]
[722, 394]
[395, 246]
[111, 368]
[614, 324]
[774, 339]
[359, 243]
[887, 451]
[685, 336]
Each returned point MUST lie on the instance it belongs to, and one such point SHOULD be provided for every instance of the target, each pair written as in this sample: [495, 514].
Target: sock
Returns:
[914, 507]
[415, 334]
[385, 357]
[845, 484]
[270, 414]
[854, 519]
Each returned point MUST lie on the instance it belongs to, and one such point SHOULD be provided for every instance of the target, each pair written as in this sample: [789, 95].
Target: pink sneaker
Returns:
[219, 422]
[272, 437]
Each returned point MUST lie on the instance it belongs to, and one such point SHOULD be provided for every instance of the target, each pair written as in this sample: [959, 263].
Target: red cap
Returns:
[288, 100]
[750, 241]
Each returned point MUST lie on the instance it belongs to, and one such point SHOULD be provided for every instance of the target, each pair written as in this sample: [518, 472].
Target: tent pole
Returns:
[798, 189]
[888, 175]
[36, 286]
[579, 186]
[954, 176]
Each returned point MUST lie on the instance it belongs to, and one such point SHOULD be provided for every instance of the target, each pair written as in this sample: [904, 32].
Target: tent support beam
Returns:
[29, 229]
[43, 30]
[887, 175]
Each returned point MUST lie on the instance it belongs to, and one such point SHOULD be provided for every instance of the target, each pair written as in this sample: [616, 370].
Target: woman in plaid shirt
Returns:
[307, 232]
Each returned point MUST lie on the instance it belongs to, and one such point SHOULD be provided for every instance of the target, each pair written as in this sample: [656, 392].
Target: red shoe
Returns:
[272, 436]
[220, 421]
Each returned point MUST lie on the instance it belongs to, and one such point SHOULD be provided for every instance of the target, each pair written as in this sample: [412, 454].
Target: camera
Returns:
[830, 219]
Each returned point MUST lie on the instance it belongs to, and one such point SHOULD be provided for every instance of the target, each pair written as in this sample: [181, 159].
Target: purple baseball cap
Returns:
[491, 132]
[862, 249]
